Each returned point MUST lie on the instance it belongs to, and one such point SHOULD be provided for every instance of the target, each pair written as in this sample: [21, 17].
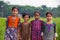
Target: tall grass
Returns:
[3, 26]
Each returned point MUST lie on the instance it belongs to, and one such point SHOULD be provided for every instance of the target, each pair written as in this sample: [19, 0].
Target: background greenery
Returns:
[5, 9]
[3, 26]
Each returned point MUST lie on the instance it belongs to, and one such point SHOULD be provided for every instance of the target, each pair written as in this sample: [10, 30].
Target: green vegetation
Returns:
[6, 9]
[3, 26]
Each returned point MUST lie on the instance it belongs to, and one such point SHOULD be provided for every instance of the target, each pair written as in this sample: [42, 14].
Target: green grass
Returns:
[3, 26]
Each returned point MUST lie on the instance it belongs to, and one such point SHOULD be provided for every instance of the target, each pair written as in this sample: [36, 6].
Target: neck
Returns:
[25, 22]
[36, 19]
[13, 15]
[49, 22]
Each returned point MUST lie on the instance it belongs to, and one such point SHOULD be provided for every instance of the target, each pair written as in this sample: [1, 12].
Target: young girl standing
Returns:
[36, 27]
[12, 25]
[25, 27]
[49, 28]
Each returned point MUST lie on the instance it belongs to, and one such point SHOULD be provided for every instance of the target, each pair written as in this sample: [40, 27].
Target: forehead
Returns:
[37, 13]
[15, 9]
[49, 15]
[26, 15]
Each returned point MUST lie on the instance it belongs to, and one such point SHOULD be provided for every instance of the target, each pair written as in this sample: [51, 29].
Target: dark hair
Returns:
[24, 14]
[49, 13]
[15, 8]
[36, 12]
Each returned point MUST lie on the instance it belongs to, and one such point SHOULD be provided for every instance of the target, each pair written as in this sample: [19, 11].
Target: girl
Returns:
[25, 27]
[12, 25]
[36, 27]
[49, 28]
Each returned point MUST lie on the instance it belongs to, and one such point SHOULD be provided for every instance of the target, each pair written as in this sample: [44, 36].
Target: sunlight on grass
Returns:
[3, 26]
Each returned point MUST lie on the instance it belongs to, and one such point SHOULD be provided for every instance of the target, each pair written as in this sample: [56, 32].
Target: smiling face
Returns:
[37, 15]
[26, 18]
[49, 17]
[15, 11]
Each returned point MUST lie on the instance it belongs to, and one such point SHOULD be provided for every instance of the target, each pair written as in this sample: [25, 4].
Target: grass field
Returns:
[3, 26]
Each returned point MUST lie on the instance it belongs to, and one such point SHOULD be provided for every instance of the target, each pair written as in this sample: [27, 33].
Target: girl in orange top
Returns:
[12, 25]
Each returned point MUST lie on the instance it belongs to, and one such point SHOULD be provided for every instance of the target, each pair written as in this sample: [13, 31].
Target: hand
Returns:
[42, 38]
[54, 38]
[19, 38]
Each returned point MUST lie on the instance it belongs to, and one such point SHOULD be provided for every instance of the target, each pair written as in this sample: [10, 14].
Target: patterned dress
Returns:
[25, 31]
[12, 28]
[36, 29]
[49, 31]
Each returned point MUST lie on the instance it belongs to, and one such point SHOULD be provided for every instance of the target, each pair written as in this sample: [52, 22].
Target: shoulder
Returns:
[54, 23]
[29, 23]
[44, 23]
[22, 23]
[18, 17]
[8, 17]
[41, 21]
[32, 21]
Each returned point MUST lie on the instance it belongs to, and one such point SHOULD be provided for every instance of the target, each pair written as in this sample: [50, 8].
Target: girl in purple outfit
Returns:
[36, 27]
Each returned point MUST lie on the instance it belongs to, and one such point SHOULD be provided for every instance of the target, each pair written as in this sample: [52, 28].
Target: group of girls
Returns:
[34, 30]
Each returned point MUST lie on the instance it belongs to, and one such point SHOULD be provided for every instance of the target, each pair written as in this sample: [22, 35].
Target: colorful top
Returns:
[36, 29]
[25, 31]
[13, 22]
[11, 29]
[49, 31]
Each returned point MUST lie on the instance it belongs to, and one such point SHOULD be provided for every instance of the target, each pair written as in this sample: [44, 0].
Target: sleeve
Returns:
[31, 23]
[29, 31]
[7, 19]
[55, 30]
[42, 28]
[19, 30]
[19, 24]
